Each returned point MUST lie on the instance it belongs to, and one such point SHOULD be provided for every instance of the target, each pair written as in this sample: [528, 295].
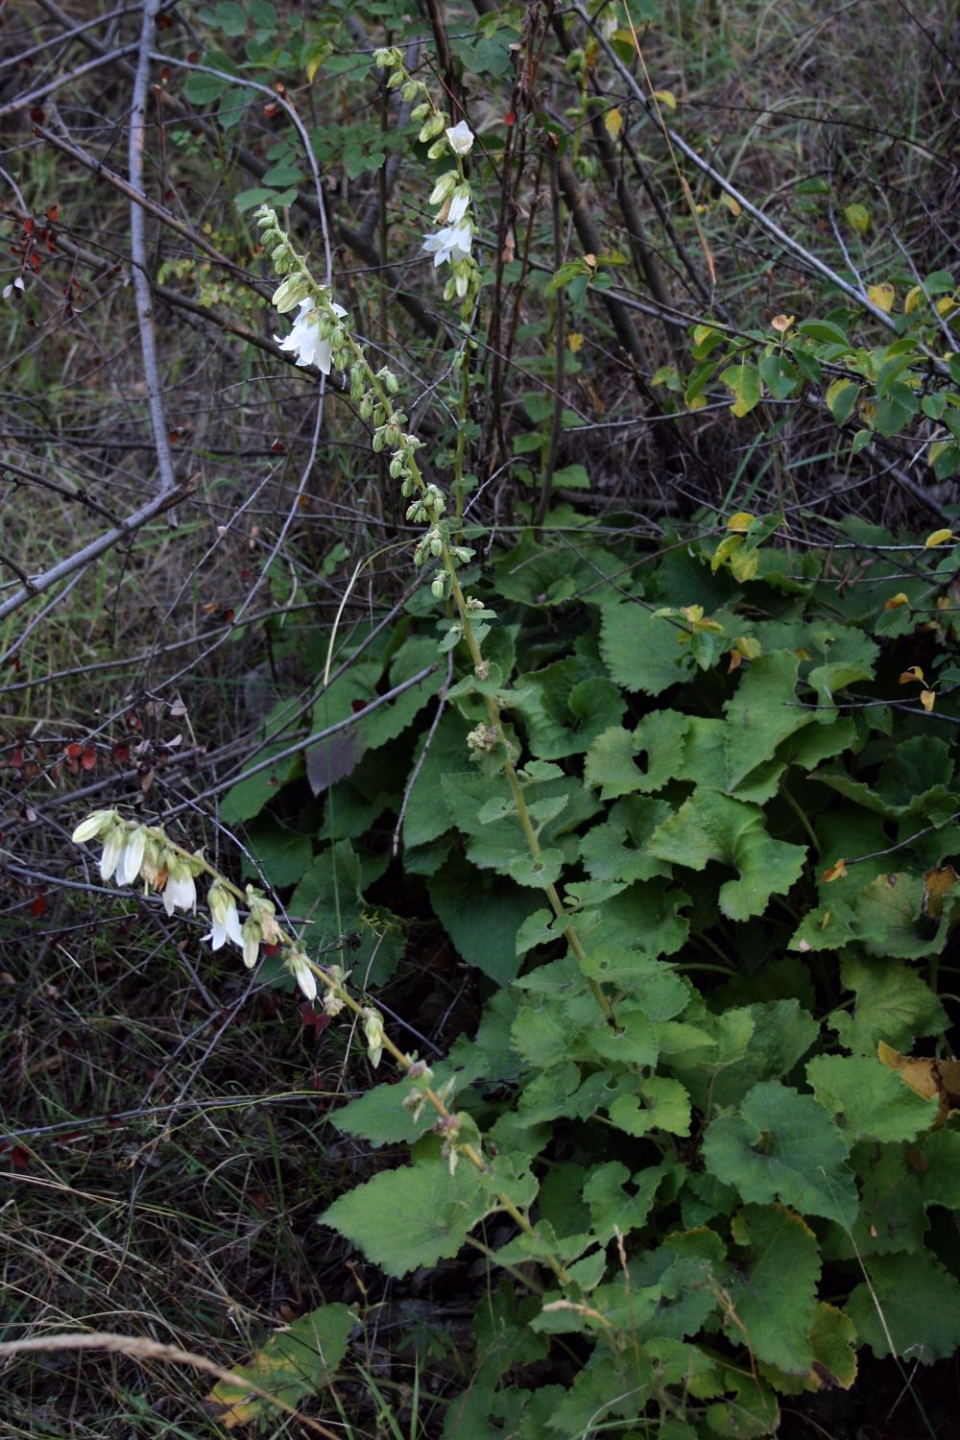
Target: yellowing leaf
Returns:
[882, 296]
[895, 601]
[927, 699]
[724, 551]
[574, 341]
[744, 564]
[913, 674]
[702, 333]
[782, 323]
[749, 648]
[695, 617]
[946, 305]
[937, 885]
[837, 871]
[666, 97]
[731, 204]
[933, 1079]
[613, 123]
[858, 218]
[741, 522]
[937, 538]
[295, 1362]
[913, 299]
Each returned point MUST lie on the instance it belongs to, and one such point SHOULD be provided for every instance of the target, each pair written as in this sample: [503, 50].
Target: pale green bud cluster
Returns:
[482, 738]
[427, 507]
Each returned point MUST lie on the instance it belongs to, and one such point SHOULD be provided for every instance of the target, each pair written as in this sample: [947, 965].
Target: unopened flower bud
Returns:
[373, 1031]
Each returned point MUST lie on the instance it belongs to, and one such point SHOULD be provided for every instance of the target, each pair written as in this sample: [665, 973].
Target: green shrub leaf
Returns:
[783, 1146]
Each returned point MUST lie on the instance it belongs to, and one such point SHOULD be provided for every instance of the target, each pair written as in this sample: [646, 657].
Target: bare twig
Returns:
[138, 251]
[39, 583]
[140, 1349]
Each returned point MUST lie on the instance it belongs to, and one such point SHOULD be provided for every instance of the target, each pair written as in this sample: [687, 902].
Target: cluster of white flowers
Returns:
[452, 244]
[313, 333]
[134, 852]
[317, 337]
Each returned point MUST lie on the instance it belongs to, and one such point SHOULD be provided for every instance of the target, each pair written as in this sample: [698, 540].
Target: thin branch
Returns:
[39, 583]
[140, 1349]
[34, 97]
[138, 251]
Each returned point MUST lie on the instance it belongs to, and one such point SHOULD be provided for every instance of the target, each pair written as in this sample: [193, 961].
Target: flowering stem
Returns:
[169, 857]
[373, 391]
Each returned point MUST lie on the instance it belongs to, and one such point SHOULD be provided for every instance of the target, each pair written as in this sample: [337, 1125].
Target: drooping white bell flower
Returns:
[460, 137]
[226, 921]
[452, 243]
[307, 340]
[180, 891]
[299, 966]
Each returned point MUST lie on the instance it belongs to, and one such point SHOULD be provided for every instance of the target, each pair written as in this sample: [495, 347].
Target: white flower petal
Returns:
[305, 978]
[131, 857]
[460, 137]
[459, 206]
[179, 893]
[451, 243]
[94, 825]
[112, 847]
[232, 927]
